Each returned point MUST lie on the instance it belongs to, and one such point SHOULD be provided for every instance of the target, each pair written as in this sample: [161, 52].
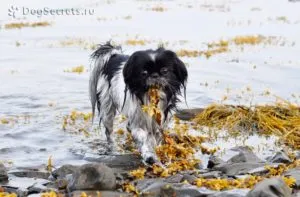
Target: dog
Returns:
[120, 83]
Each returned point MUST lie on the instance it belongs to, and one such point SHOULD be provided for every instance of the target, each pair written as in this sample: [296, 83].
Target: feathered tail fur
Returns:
[100, 58]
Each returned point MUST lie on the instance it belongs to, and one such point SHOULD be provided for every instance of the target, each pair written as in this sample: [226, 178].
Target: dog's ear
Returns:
[179, 67]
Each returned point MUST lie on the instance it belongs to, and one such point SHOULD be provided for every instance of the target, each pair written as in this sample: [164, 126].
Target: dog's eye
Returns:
[164, 71]
[144, 73]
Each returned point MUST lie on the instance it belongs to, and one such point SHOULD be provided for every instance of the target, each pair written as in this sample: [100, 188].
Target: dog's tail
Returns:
[100, 57]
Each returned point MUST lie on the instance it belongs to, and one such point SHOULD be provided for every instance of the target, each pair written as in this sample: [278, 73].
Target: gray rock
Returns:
[232, 169]
[184, 190]
[100, 193]
[150, 187]
[211, 175]
[231, 193]
[122, 162]
[190, 178]
[177, 178]
[274, 187]
[188, 114]
[30, 174]
[245, 155]
[295, 173]
[297, 155]
[214, 161]
[62, 183]
[64, 170]
[3, 173]
[93, 177]
[280, 157]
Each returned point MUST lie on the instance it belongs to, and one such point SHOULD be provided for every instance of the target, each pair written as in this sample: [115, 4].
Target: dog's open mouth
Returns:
[152, 108]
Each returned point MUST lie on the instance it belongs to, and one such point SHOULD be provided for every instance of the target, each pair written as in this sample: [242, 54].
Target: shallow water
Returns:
[34, 86]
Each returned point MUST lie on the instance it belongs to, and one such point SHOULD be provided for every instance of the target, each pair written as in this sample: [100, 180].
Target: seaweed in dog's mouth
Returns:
[152, 108]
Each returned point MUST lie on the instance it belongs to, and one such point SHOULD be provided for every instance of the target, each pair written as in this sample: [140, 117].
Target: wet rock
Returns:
[30, 174]
[93, 176]
[36, 188]
[232, 169]
[214, 161]
[122, 162]
[184, 190]
[62, 184]
[177, 178]
[231, 193]
[64, 170]
[211, 175]
[245, 155]
[189, 178]
[295, 173]
[100, 193]
[280, 157]
[150, 187]
[19, 192]
[274, 187]
[188, 114]
[3, 173]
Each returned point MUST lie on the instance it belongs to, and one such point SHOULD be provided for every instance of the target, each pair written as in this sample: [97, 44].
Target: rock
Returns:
[188, 114]
[120, 163]
[30, 174]
[274, 187]
[177, 178]
[190, 178]
[295, 173]
[231, 193]
[211, 175]
[64, 170]
[100, 193]
[151, 187]
[245, 155]
[93, 177]
[280, 157]
[184, 190]
[297, 155]
[232, 169]
[62, 183]
[3, 173]
[214, 161]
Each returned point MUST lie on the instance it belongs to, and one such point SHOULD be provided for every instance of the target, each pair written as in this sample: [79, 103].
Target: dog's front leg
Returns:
[146, 144]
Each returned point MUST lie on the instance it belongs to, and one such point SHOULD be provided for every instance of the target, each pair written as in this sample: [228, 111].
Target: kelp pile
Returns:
[281, 119]
[21, 25]
[223, 46]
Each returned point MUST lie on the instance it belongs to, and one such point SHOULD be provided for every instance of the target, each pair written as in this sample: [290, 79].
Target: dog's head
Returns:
[161, 68]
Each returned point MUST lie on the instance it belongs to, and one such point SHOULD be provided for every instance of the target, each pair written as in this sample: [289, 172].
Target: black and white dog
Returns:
[120, 83]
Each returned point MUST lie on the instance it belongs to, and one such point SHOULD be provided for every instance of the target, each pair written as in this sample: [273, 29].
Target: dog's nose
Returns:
[155, 75]
[150, 160]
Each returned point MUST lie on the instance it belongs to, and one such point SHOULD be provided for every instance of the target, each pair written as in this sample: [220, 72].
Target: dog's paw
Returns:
[150, 158]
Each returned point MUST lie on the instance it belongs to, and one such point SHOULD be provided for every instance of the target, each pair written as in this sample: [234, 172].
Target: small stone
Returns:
[211, 175]
[295, 173]
[64, 170]
[184, 190]
[231, 193]
[3, 173]
[274, 187]
[232, 169]
[280, 157]
[100, 193]
[93, 176]
[151, 187]
[177, 178]
[214, 161]
[245, 155]
[30, 174]
[188, 114]
[190, 178]
[62, 183]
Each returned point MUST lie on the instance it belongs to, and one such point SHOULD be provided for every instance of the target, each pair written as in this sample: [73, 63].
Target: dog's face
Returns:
[161, 68]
